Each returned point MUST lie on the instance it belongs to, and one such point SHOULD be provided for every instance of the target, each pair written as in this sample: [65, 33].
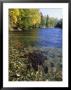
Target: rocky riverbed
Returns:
[35, 64]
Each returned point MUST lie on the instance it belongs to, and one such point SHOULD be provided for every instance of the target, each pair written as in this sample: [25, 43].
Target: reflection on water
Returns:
[44, 37]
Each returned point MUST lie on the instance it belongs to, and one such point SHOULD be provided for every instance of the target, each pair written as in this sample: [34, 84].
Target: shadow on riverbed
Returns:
[36, 59]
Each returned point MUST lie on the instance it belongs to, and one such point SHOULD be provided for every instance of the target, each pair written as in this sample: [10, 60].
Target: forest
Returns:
[24, 19]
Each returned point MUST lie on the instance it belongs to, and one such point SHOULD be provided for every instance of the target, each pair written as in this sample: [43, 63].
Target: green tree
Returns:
[47, 18]
[13, 17]
[24, 18]
[42, 20]
[59, 23]
[52, 22]
[29, 18]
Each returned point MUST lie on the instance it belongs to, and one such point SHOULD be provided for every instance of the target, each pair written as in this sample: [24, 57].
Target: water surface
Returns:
[43, 37]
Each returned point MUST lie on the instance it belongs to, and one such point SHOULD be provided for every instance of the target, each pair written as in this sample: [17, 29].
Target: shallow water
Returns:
[47, 41]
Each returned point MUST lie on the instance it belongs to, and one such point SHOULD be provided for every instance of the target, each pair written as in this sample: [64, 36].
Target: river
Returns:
[43, 37]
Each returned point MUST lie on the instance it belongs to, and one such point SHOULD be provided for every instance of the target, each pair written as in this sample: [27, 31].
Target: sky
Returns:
[56, 12]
